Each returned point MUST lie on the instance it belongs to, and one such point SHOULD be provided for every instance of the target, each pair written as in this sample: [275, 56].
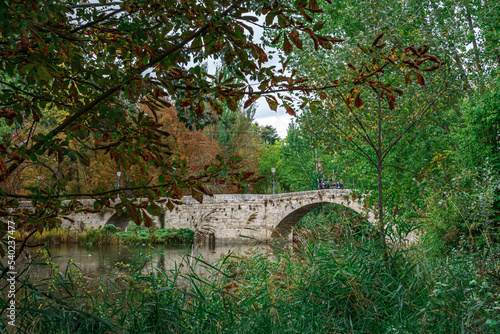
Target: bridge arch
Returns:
[119, 221]
[293, 213]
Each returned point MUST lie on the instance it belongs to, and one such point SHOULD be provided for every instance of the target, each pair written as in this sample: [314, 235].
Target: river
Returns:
[98, 262]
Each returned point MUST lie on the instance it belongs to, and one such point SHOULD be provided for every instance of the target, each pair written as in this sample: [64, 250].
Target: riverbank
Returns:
[351, 285]
[111, 235]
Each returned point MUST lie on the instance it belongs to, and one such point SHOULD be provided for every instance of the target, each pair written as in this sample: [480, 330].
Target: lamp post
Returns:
[39, 177]
[118, 174]
[273, 170]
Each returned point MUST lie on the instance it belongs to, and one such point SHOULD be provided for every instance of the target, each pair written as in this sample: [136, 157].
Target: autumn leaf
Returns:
[197, 195]
[379, 37]
[294, 36]
[287, 46]
[7, 113]
[391, 98]
[250, 100]
[407, 78]
[170, 206]
[276, 39]
[15, 156]
[272, 102]
[435, 67]
[420, 79]
[289, 110]
[216, 107]
[319, 26]
[358, 102]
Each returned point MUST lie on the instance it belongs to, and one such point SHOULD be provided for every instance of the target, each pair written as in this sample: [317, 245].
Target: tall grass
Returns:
[110, 235]
[346, 286]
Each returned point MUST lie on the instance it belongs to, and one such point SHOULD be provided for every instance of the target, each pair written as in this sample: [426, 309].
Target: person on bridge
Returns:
[341, 184]
[327, 184]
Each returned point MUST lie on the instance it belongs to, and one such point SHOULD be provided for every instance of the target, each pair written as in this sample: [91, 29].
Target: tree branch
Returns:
[95, 4]
[418, 118]
[69, 120]
[410, 171]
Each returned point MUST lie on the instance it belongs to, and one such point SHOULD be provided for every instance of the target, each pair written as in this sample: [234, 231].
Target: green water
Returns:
[98, 262]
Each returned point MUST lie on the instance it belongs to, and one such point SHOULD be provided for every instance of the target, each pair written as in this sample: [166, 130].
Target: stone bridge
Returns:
[235, 216]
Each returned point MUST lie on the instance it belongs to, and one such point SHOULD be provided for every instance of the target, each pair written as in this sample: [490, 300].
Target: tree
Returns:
[269, 134]
[363, 117]
[96, 62]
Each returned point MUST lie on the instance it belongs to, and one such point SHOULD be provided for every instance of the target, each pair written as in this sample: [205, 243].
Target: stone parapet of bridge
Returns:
[233, 216]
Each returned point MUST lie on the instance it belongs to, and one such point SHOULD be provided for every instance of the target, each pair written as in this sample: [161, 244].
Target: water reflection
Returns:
[102, 261]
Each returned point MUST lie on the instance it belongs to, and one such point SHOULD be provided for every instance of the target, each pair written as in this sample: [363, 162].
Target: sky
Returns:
[279, 120]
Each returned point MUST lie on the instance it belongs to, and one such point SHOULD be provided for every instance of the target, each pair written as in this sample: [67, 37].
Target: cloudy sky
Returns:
[265, 116]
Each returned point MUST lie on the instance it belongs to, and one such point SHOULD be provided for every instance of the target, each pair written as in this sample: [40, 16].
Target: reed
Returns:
[325, 286]
[110, 235]
[320, 290]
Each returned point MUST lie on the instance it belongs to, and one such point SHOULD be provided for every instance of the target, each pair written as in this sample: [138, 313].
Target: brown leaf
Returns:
[289, 110]
[407, 77]
[3, 229]
[287, 46]
[350, 98]
[277, 39]
[319, 26]
[435, 67]
[15, 156]
[313, 7]
[322, 95]
[200, 108]
[233, 106]
[60, 156]
[352, 67]
[216, 107]
[185, 102]
[420, 79]
[148, 221]
[423, 49]
[358, 102]
[170, 205]
[379, 37]
[7, 113]
[197, 195]
[391, 98]
[271, 101]
[250, 100]
[294, 36]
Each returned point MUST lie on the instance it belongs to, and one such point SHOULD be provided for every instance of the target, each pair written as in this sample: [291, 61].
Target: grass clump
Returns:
[347, 285]
[111, 235]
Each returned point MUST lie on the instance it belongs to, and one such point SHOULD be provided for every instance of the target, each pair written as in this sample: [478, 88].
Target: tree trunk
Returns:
[463, 74]
[497, 53]
[381, 228]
